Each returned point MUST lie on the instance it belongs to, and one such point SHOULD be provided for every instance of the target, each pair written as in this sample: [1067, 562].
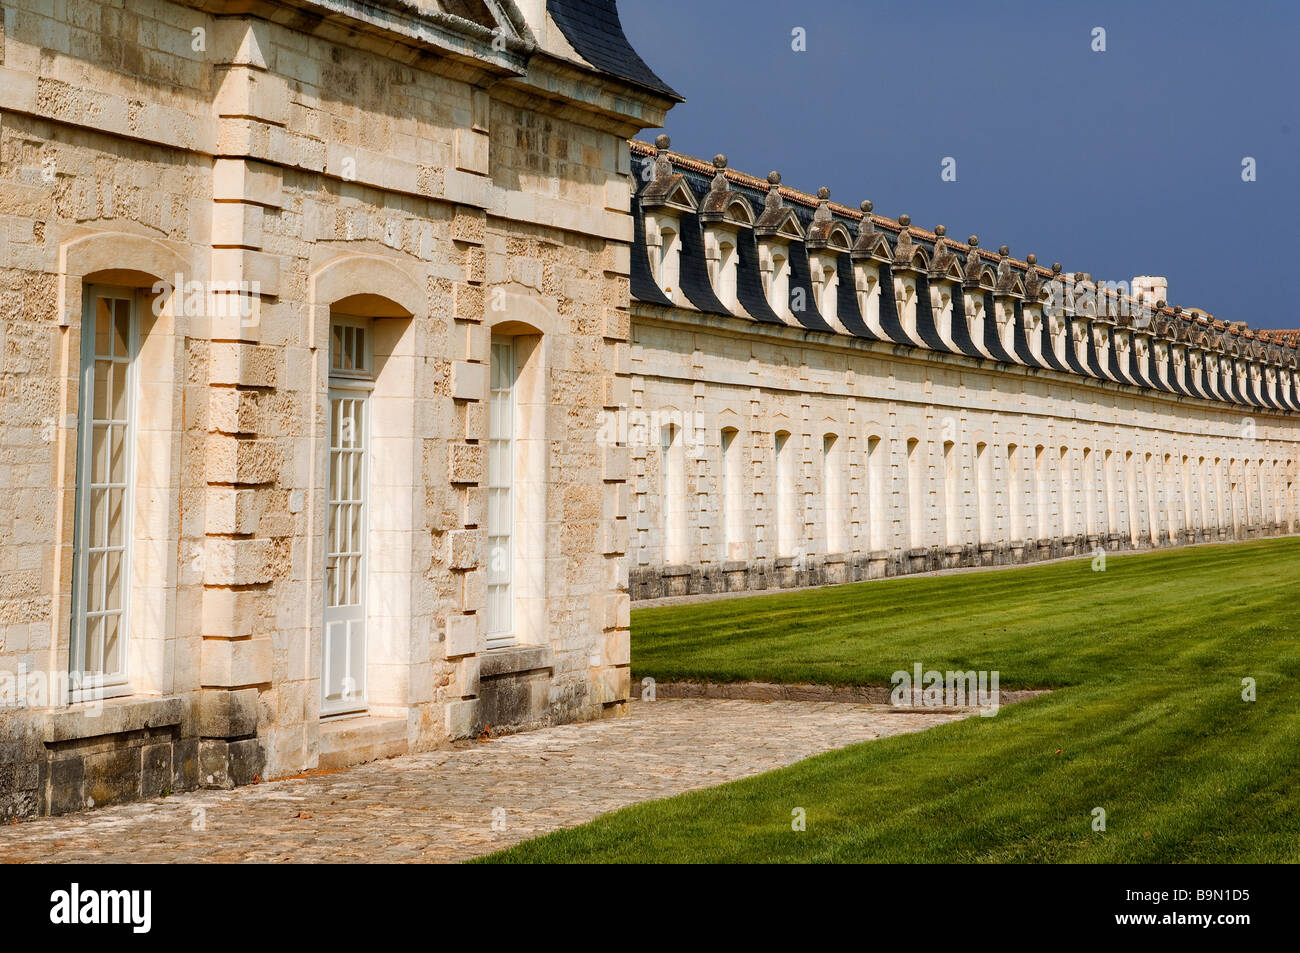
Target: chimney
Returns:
[1155, 288]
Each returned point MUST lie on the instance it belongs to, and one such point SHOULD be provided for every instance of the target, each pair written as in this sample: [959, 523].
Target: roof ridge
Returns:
[808, 200]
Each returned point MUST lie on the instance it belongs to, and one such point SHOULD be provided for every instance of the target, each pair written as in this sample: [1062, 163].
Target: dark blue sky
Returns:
[1121, 163]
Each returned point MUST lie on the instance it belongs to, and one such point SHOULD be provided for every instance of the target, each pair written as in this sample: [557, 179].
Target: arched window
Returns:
[1149, 488]
[785, 494]
[1066, 479]
[1088, 465]
[877, 497]
[674, 494]
[833, 491]
[501, 494]
[951, 494]
[724, 280]
[1015, 497]
[731, 481]
[827, 288]
[868, 291]
[105, 505]
[668, 271]
[984, 492]
[1042, 495]
[1130, 495]
[777, 284]
[1108, 509]
[1174, 496]
[1202, 505]
[915, 500]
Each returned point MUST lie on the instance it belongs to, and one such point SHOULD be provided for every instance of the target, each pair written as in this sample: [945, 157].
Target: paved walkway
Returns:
[442, 805]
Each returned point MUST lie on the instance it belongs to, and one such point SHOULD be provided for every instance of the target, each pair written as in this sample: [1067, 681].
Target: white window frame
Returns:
[349, 383]
[99, 686]
[502, 633]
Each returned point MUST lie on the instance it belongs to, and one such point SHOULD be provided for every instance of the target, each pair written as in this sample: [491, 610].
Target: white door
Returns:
[343, 672]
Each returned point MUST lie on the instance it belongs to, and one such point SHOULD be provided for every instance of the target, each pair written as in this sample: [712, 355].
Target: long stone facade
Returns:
[358, 371]
[310, 311]
[823, 395]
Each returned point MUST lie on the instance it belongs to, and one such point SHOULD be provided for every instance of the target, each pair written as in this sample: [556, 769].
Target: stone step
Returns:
[348, 741]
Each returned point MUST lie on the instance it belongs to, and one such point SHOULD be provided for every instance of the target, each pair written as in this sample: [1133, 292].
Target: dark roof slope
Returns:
[594, 29]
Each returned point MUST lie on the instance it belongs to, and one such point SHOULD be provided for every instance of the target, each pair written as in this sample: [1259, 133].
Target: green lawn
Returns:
[1147, 658]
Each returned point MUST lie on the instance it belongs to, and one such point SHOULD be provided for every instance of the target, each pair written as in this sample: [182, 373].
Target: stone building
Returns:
[356, 372]
[310, 311]
[821, 395]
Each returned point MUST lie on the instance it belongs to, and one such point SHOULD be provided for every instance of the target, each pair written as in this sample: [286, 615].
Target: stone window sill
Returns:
[515, 659]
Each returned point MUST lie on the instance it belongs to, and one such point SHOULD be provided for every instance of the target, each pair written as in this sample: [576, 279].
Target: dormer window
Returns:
[1033, 318]
[826, 287]
[775, 266]
[941, 308]
[867, 278]
[1006, 317]
[723, 264]
[870, 252]
[946, 277]
[1056, 332]
[668, 262]
[723, 214]
[976, 318]
[827, 240]
[1122, 345]
[910, 262]
[1101, 345]
[664, 199]
[1079, 331]
[1142, 356]
[905, 299]
[1179, 355]
[775, 229]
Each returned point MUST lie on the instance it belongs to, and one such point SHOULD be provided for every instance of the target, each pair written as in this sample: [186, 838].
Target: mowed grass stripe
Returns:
[1148, 717]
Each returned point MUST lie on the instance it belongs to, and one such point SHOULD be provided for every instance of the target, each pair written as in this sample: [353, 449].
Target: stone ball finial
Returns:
[973, 241]
[1160, 304]
[1031, 259]
[941, 230]
[662, 142]
[866, 207]
[774, 178]
[905, 220]
[1178, 309]
[1056, 267]
[1004, 251]
[1078, 276]
[720, 161]
[824, 193]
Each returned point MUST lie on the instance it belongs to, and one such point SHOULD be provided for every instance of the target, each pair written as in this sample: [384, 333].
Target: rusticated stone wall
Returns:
[320, 165]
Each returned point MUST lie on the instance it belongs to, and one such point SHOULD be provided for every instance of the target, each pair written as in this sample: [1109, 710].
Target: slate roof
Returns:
[594, 29]
[992, 275]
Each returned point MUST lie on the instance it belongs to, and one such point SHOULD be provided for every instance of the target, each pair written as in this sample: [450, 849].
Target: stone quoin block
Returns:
[469, 381]
[462, 635]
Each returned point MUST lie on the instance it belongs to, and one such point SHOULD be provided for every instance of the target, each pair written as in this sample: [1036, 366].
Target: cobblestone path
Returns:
[440, 806]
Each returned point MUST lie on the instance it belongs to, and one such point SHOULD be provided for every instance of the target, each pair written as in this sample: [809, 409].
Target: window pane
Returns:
[117, 388]
[121, 328]
[116, 515]
[112, 646]
[113, 563]
[117, 454]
